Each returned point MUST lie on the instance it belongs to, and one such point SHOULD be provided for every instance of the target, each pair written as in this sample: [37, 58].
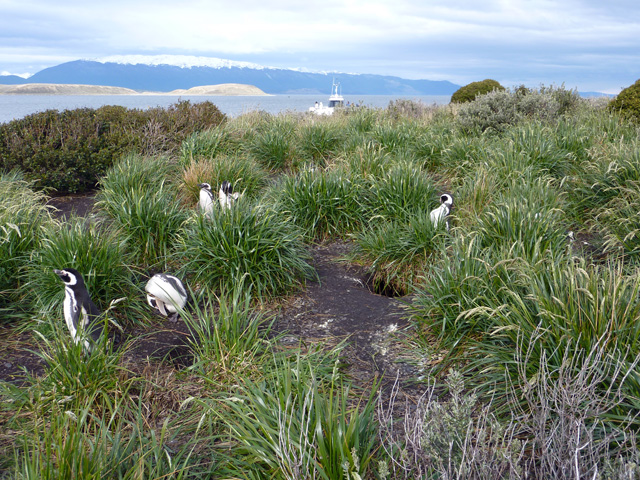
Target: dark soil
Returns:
[339, 307]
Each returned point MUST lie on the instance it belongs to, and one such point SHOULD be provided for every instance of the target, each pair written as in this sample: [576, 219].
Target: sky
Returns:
[591, 45]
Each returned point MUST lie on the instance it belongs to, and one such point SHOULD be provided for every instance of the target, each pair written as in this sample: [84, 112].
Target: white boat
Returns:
[335, 101]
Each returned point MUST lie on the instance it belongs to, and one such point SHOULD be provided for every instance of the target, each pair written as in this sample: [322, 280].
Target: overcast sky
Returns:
[592, 45]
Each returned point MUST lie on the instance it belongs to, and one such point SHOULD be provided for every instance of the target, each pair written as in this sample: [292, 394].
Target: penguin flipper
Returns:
[161, 307]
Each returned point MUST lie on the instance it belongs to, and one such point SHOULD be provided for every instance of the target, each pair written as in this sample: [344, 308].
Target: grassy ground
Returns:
[524, 314]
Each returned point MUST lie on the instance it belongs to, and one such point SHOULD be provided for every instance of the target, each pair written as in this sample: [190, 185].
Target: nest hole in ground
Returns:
[379, 286]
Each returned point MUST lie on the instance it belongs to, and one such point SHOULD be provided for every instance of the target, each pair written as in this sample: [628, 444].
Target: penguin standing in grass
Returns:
[166, 294]
[226, 195]
[206, 198]
[80, 313]
[442, 212]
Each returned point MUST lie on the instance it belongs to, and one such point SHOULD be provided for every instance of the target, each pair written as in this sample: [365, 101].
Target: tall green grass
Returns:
[140, 198]
[99, 253]
[23, 215]
[247, 245]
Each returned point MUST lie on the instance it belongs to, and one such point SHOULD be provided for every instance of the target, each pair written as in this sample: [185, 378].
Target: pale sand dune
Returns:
[68, 89]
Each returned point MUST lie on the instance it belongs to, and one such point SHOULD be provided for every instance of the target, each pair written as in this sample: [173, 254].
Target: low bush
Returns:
[247, 176]
[499, 109]
[70, 150]
[627, 102]
[470, 92]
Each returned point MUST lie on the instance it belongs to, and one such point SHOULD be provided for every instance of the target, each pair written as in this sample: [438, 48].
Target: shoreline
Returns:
[224, 89]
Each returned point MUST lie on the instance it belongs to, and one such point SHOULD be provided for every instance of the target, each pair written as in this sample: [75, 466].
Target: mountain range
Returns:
[166, 73]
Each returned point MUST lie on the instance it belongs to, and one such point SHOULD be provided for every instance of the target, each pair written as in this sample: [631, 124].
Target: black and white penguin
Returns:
[226, 195]
[442, 212]
[80, 313]
[206, 198]
[166, 293]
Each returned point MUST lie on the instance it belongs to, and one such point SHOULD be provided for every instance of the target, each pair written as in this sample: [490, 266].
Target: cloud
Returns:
[583, 42]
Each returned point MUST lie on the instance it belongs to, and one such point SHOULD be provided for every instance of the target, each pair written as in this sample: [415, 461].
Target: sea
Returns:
[13, 107]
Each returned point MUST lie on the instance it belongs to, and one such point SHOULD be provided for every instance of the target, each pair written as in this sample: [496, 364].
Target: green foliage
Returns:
[247, 176]
[230, 343]
[144, 205]
[246, 245]
[499, 109]
[22, 217]
[98, 253]
[322, 203]
[298, 425]
[470, 92]
[319, 141]
[627, 102]
[399, 193]
[207, 144]
[70, 150]
[398, 252]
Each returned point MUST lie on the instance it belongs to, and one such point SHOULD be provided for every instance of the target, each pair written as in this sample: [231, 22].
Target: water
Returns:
[13, 107]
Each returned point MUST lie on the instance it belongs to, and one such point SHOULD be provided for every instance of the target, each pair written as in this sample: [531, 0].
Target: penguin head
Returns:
[205, 186]
[226, 188]
[70, 277]
[446, 199]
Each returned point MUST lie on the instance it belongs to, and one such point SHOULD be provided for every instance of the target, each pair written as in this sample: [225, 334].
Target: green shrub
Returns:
[499, 109]
[399, 193]
[319, 141]
[627, 102]
[470, 92]
[70, 150]
[246, 246]
[207, 145]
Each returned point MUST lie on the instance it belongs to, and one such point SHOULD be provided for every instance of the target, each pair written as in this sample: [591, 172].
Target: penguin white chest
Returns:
[71, 313]
[206, 202]
[439, 214]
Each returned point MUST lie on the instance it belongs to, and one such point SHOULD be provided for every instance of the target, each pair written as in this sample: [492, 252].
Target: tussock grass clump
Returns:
[229, 337]
[323, 204]
[208, 144]
[246, 245]
[22, 217]
[399, 193]
[142, 202]
[273, 144]
[319, 141]
[99, 254]
[299, 424]
[247, 176]
[399, 252]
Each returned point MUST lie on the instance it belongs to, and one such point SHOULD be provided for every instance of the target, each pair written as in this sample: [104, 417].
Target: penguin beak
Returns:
[58, 272]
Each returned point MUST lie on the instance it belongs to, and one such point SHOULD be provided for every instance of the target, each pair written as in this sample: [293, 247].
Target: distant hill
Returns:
[164, 77]
[12, 80]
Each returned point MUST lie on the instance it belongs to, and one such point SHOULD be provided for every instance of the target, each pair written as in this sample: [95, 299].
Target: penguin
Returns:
[80, 313]
[226, 195]
[166, 293]
[206, 198]
[442, 212]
